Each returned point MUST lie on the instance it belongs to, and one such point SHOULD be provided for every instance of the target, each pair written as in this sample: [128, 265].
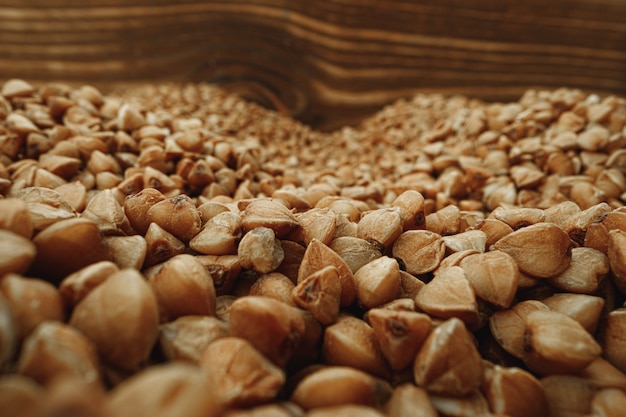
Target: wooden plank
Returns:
[327, 62]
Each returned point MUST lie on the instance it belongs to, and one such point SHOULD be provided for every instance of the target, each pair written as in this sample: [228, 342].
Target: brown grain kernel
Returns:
[16, 253]
[45, 206]
[468, 240]
[377, 282]
[586, 272]
[586, 195]
[350, 341]
[381, 227]
[120, 316]
[211, 209]
[448, 362]
[337, 385]
[608, 402]
[508, 326]
[420, 251]
[160, 245]
[473, 404]
[20, 124]
[21, 396]
[519, 217]
[54, 351]
[597, 234]
[293, 199]
[282, 328]
[129, 118]
[602, 374]
[347, 410]
[409, 285]
[274, 285]
[612, 182]
[499, 191]
[556, 343]
[75, 194]
[260, 250]
[407, 400]
[239, 373]
[514, 392]
[617, 257]
[175, 389]
[541, 250]
[77, 285]
[8, 334]
[320, 293]
[494, 229]
[183, 286]
[224, 271]
[104, 210]
[186, 338]
[44, 302]
[219, 235]
[585, 309]
[155, 178]
[317, 223]
[400, 334]
[494, 276]
[16, 87]
[222, 306]
[136, 208]
[445, 221]
[127, 251]
[612, 338]
[318, 256]
[449, 294]
[63, 166]
[577, 224]
[568, 395]
[354, 251]
[343, 206]
[308, 352]
[281, 409]
[411, 205]
[178, 216]
[268, 213]
[47, 179]
[528, 176]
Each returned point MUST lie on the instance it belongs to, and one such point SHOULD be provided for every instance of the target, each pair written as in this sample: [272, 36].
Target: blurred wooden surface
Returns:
[327, 62]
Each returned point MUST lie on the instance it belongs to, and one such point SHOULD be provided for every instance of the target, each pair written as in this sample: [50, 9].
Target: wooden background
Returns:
[327, 62]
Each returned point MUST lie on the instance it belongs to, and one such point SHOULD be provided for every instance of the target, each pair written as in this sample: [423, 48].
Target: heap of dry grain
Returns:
[173, 250]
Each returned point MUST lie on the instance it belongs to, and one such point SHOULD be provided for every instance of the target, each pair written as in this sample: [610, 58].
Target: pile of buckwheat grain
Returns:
[173, 250]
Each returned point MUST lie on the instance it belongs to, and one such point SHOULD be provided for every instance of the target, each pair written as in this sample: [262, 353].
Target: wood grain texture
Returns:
[327, 62]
